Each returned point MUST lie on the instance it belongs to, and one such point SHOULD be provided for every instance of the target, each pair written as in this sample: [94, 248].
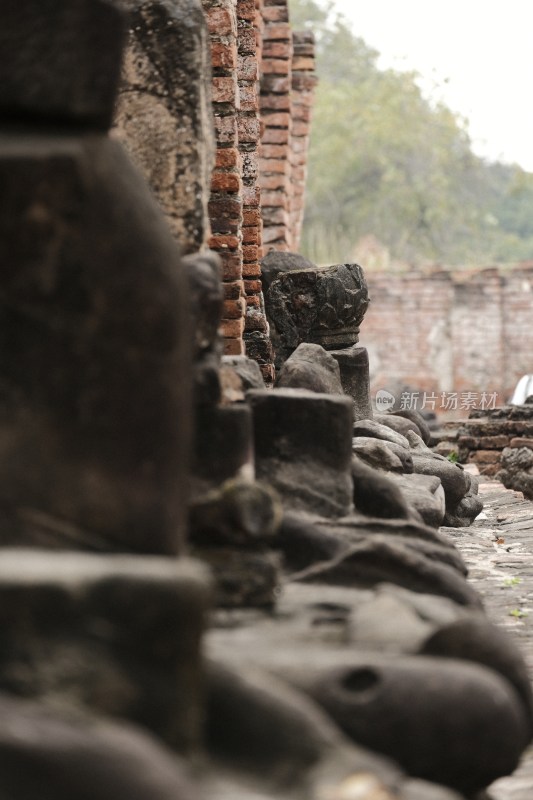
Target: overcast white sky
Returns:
[479, 53]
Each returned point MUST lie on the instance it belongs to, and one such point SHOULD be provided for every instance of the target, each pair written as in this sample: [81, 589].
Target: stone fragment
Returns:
[242, 578]
[119, 635]
[455, 480]
[206, 297]
[223, 446]
[303, 448]
[425, 494]
[399, 424]
[278, 261]
[375, 494]
[310, 367]
[388, 559]
[247, 369]
[395, 619]
[306, 539]
[517, 470]
[60, 63]
[447, 721]
[323, 305]
[415, 417]
[475, 639]
[355, 378]
[164, 113]
[386, 624]
[95, 415]
[53, 754]
[382, 454]
[237, 513]
[465, 511]
[257, 721]
[369, 427]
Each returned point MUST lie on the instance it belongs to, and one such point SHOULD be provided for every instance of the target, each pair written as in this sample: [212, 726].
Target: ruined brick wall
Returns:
[262, 94]
[232, 70]
[287, 84]
[451, 331]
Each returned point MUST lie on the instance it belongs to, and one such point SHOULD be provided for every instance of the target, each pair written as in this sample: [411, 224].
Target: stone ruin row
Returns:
[208, 588]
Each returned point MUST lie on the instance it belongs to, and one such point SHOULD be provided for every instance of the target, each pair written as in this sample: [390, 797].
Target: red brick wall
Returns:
[450, 331]
[263, 81]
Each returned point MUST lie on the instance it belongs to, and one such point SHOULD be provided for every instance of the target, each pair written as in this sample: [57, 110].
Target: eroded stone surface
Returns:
[119, 635]
[310, 367]
[164, 113]
[60, 62]
[94, 352]
[322, 305]
[303, 447]
[55, 754]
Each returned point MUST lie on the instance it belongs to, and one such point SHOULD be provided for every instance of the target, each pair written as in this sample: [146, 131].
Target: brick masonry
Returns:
[451, 331]
[263, 81]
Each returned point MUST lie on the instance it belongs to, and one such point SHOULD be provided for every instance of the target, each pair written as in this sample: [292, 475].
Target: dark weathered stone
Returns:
[455, 480]
[464, 512]
[323, 305]
[414, 416]
[310, 367]
[355, 378]
[382, 454]
[475, 639]
[94, 350]
[449, 721]
[260, 723]
[399, 424]
[52, 754]
[223, 446]
[117, 634]
[375, 494]
[369, 427]
[277, 262]
[517, 470]
[164, 113]
[247, 369]
[425, 494]
[238, 513]
[388, 559]
[303, 448]
[242, 577]
[306, 539]
[206, 297]
[60, 62]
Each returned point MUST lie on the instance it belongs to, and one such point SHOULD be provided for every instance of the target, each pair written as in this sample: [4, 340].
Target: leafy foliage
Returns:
[387, 165]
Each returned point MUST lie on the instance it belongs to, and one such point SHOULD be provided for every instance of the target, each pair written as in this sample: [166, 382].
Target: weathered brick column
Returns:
[249, 36]
[225, 204]
[303, 85]
[275, 165]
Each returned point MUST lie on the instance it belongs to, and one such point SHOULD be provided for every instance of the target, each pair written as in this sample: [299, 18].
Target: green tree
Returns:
[387, 162]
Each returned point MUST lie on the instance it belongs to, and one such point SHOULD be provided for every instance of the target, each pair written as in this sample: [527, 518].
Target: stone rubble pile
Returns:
[320, 640]
[500, 442]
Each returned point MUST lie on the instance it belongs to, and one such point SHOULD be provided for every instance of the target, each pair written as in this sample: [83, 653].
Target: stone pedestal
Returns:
[321, 305]
[119, 635]
[303, 447]
[223, 446]
[355, 378]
